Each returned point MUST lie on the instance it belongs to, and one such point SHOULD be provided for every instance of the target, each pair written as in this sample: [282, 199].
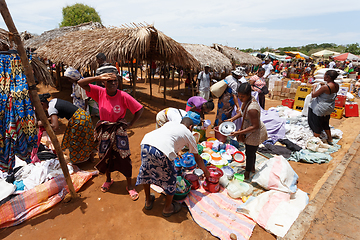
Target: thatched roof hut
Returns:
[40, 69]
[141, 42]
[236, 55]
[38, 41]
[4, 40]
[207, 55]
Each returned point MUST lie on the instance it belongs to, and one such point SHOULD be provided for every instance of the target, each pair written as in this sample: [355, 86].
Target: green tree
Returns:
[353, 48]
[77, 14]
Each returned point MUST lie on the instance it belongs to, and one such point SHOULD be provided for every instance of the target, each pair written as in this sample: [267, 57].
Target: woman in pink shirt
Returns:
[110, 131]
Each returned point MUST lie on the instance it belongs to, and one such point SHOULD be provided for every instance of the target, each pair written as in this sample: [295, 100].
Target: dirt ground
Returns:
[113, 215]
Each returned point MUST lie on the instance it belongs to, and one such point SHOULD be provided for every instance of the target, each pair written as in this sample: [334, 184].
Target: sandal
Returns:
[106, 186]
[133, 194]
[176, 206]
[152, 199]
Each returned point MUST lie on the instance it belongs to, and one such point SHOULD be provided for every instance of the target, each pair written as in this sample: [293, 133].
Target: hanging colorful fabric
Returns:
[17, 122]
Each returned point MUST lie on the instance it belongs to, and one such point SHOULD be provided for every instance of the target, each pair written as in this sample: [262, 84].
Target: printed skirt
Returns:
[156, 168]
[79, 137]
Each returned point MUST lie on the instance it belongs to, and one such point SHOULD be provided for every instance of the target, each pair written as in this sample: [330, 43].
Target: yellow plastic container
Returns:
[337, 113]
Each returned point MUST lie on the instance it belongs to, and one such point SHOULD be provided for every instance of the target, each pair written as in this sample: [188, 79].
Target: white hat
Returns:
[239, 71]
[207, 65]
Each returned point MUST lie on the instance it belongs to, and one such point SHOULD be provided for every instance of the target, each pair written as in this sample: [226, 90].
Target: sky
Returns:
[235, 23]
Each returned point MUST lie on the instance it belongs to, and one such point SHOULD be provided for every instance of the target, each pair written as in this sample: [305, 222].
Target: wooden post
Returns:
[165, 79]
[179, 83]
[160, 73]
[173, 77]
[33, 94]
[121, 73]
[135, 78]
[141, 70]
[150, 80]
[191, 82]
[58, 76]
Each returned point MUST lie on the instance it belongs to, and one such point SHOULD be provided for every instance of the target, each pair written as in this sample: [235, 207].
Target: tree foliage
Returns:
[77, 14]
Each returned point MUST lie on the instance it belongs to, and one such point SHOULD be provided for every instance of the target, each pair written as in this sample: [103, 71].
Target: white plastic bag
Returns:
[277, 174]
[307, 103]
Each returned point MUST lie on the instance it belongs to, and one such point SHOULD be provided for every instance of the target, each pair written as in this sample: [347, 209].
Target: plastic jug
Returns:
[237, 189]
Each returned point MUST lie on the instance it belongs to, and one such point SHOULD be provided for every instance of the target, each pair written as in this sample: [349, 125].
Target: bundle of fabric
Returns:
[17, 121]
[37, 200]
[277, 209]
[216, 212]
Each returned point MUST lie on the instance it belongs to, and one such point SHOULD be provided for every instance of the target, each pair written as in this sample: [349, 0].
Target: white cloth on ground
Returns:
[6, 189]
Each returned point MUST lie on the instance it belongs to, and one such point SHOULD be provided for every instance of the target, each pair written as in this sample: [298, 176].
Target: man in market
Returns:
[204, 82]
[268, 69]
[159, 148]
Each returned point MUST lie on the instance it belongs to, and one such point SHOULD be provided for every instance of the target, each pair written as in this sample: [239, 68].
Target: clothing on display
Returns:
[18, 133]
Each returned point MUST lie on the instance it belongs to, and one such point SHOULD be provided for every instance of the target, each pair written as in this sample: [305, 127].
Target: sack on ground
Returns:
[218, 88]
[277, 174]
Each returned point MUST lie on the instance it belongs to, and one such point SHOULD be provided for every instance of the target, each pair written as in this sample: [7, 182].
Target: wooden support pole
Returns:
[135, 78]
[33, 94]
[58, 76]
[150, 80]
[165, 78]
[179, 82]
[173, 77]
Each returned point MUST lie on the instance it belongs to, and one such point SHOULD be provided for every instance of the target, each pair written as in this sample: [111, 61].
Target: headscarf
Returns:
[73, 74]
[239, 71]
[195, 117]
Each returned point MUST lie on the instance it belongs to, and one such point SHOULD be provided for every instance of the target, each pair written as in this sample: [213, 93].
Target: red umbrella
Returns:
[288, 57]
[346, 57]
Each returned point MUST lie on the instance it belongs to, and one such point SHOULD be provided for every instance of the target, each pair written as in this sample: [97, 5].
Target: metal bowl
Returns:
[226, 128]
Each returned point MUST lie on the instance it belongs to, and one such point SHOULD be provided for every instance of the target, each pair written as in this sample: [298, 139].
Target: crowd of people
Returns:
[243, 97]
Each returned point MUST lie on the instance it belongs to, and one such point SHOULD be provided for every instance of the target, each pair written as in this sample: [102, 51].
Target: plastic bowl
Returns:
[239, 157]
[181, 196]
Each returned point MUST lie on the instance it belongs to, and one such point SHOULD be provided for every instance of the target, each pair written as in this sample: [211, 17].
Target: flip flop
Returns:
[177, 207]
[152, 199]
[133, 194]
[106, 186]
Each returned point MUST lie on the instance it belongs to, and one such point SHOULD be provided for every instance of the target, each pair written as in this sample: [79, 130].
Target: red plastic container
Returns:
[194, 180]
[288, 102]
[351, 110]
[211, 187]
[215, 174]
[340, 101]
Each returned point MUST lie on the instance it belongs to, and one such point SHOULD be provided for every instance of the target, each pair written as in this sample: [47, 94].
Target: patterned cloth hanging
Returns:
[17, 122]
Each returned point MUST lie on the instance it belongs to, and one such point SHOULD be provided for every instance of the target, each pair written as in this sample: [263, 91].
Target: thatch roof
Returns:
[4, 40]
[142, 42]
[38, 41]
[207, 55]
[237, 55]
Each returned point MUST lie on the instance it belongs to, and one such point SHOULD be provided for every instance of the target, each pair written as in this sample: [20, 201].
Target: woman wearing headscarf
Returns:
[79, 133]
[228, 100]
[78, 93]
[111, 130]
[199, 105]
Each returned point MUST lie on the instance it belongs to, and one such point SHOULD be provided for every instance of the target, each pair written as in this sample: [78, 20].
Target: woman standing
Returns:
[78, 94]
[253, 131]
[323, 105]
[229, 99]
[110, 131]
[79, 133]
[258, 82]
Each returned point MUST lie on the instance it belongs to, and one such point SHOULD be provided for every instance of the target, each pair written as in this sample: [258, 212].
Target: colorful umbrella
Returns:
[346, 57]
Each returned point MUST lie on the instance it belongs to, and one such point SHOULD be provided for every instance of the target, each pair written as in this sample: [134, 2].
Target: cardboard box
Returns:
[287, 90]
[292, 95]
[278, 83]
[277, 93]
[276, 97]
[292, 90]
